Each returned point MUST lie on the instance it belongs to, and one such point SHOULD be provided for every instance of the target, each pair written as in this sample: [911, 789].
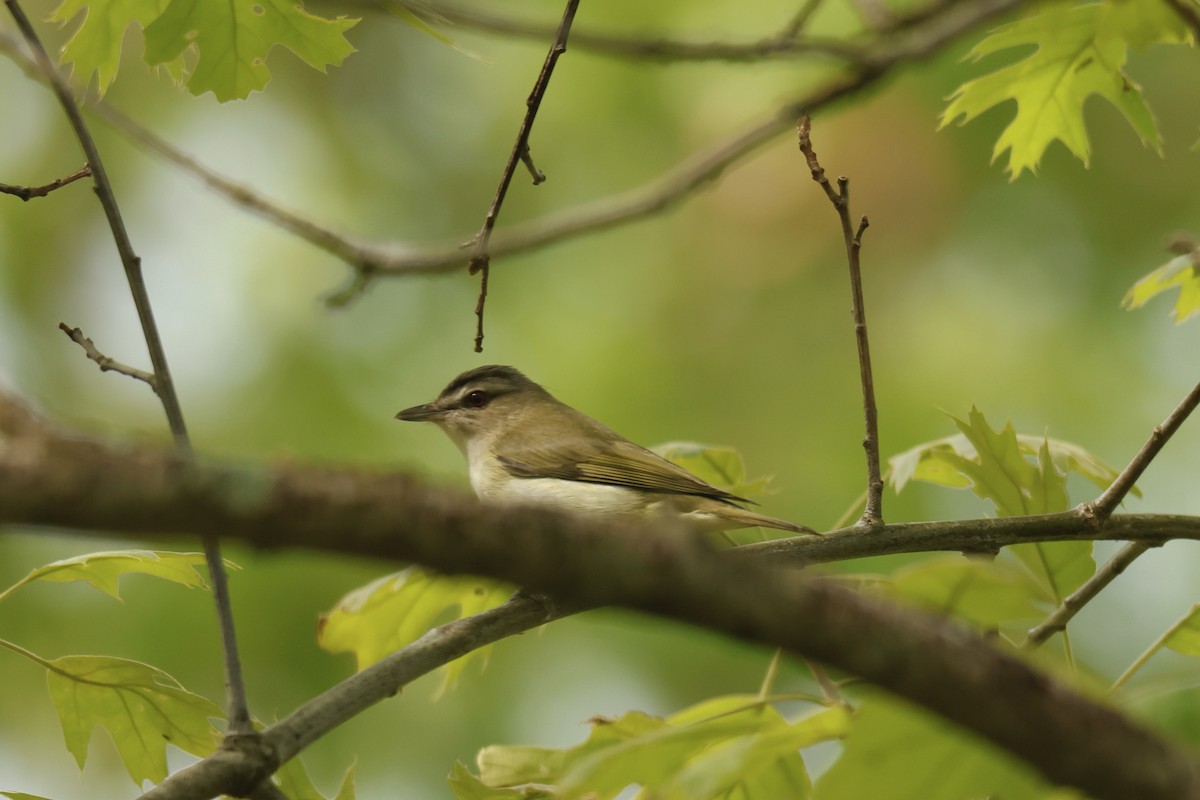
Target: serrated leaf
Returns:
[1080, 51]
[897, 752]
[1029, 487]
[104, 570]
[396, 610]
[986, 593]
[95, 47]
[294, 781]
[922, 463]
[231, 41]
[143, 709]
[1182, 272]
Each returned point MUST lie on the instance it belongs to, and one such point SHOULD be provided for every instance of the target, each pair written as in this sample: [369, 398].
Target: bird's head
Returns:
[484, 401]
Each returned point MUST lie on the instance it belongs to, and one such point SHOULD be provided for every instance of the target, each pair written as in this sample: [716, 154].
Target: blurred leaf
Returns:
[143, 708]
[95, 47]
[724, 468]
[231, 41]
[468, 787]
[703, 751]
[898, 752]
[764, 765]
[294, 780]
[104, 570]
[1184, 636]
[1183, 272]
[720, 466]
[986, 593]
[387, 614]
[22, 796]
[1080, 51]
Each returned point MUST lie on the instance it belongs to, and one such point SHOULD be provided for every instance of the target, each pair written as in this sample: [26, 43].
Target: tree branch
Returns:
[52, 479]
[163, 385]
[27, 193]
[915, 37]
[852, 238]
[106, 363]
[481, 258]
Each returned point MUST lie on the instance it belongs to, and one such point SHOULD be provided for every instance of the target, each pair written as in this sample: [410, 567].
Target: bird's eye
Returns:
[476, 399]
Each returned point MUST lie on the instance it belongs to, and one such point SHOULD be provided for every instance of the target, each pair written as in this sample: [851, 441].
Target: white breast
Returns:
[494, 484]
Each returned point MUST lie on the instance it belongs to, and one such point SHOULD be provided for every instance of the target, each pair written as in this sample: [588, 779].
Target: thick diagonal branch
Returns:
[47, 478]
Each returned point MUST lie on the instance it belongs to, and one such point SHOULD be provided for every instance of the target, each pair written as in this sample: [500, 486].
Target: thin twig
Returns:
[164, 387]
[1104, 505]
[1073, 603]
[106, 363]
[840, 198]
[1100, 511]
[481, 258]
[27, 193]
[781, 45]
[918, 35]
[798, 21]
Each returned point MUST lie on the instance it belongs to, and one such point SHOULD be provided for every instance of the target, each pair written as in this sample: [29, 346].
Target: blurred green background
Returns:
[724, 320]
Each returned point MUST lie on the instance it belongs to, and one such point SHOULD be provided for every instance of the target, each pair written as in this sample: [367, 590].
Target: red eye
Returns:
[476, 399]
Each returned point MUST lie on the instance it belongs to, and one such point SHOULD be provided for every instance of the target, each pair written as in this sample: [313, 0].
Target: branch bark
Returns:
[48, 478]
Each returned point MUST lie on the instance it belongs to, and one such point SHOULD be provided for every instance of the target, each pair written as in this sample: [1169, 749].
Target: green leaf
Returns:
[898, 752]
[703, 751]
[396, 610]
[468, 787]
[293, 779]
[104, 570]
[721, 466]
[724, 468]
[1080, 51]
[143, 708]
[941, 461]
[95, 47]
[986, 593]
[765, 765]
[22, 796]
[1182, 272]
[231, 41]
[1184, 636]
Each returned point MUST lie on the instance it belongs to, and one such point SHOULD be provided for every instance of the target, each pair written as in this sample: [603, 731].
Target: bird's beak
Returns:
[424, 413]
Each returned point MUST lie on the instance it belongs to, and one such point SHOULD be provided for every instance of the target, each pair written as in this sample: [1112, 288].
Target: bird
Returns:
[523, 446]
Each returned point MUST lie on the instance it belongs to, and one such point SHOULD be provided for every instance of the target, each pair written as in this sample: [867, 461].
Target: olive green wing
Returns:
[616, 463]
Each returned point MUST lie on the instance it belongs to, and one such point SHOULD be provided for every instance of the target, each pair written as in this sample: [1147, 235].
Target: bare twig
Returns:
[840, 198]
[105, 363]
[481, 258]
[1057, 621]
[164, 387]
[918, 35]
[27, 193]
[781, 45]
[798, 21]
[1100, 511]
[1104, 505]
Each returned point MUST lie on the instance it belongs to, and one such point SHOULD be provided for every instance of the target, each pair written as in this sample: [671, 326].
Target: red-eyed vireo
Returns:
[524, 446]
